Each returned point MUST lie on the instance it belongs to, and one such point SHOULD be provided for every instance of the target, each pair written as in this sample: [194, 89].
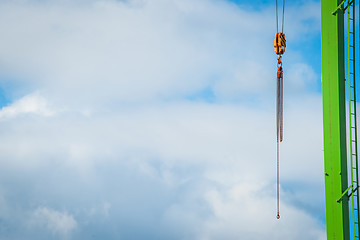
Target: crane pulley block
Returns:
[279, 43]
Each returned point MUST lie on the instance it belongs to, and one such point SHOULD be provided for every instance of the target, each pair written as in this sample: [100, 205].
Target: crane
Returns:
[340, 59]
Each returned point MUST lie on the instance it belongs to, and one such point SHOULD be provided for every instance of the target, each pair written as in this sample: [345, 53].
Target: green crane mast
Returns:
[340, 132]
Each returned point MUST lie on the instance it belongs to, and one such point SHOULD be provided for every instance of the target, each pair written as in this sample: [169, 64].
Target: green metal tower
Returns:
[340, 139]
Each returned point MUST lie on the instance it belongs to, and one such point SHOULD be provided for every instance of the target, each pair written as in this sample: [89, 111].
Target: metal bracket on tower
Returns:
[345, 193]
[341, 7]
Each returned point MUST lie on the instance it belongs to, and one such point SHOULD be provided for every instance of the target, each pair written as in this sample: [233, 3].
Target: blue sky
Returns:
[155, 119]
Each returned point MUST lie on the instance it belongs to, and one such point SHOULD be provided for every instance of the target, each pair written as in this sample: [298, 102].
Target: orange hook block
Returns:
[279, 43]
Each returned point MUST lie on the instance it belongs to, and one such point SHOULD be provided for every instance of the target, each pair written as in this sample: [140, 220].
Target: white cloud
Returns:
[300, 78]
[131, 141]
[229, 151]
[246, 210]
[57, 222]
[106, 51]
[30, 104]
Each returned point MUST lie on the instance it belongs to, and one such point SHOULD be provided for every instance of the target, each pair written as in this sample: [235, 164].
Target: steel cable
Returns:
[279, 135]
[279, 104]
[277, 17]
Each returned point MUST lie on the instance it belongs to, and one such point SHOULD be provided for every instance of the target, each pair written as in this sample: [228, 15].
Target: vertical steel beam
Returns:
[334, 121]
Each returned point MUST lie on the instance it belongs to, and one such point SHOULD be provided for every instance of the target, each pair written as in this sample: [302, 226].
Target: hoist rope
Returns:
[278, 140]
[277, 21]
[282, 28]
[277, 16]
[277, 181]
[279, 131]
[279, 47]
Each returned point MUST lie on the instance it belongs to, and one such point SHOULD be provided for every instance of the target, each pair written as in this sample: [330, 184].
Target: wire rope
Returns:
[283, 18]
[277, 16]
[279, 109]
[277, 21]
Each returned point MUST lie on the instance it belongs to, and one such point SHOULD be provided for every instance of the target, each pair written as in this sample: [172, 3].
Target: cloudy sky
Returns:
[155, 119]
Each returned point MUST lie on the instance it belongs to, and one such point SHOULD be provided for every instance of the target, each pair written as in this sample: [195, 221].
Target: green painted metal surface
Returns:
[352, 117]
[334, 121]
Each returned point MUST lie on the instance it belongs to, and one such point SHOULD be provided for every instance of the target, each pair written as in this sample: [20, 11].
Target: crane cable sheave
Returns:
[279, 48]
[279, 44]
